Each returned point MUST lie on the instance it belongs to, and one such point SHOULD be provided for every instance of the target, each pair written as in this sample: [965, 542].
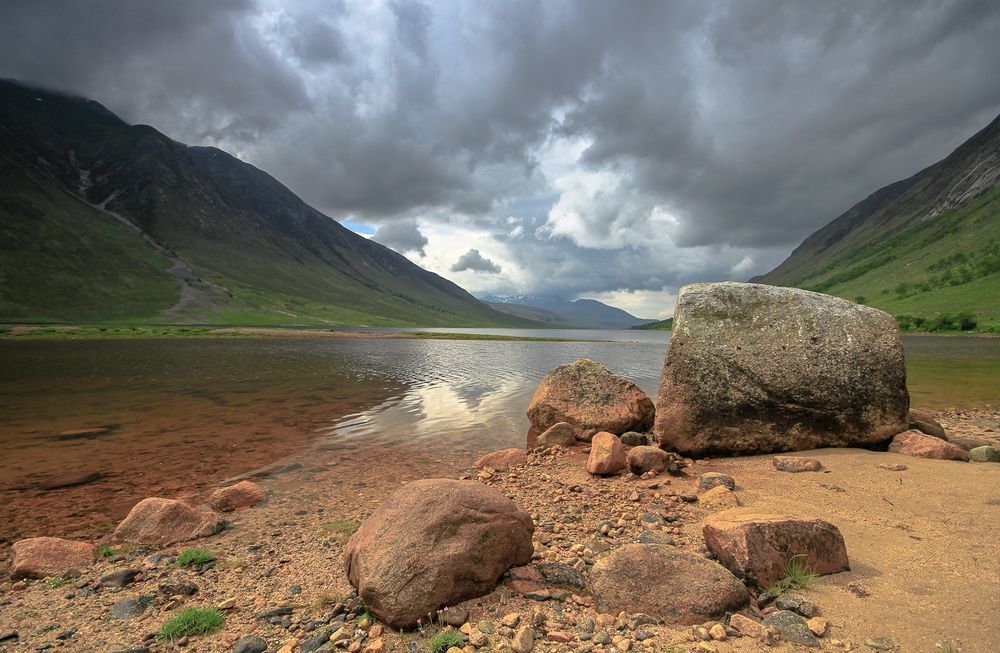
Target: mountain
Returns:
[581, 313]
[105, 221]
[542, 315]
[926, 249]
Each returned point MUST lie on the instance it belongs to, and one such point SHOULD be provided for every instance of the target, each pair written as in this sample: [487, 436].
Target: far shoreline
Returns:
[133, 332]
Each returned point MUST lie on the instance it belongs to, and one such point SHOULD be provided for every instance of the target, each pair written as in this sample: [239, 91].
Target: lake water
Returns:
[179, 415]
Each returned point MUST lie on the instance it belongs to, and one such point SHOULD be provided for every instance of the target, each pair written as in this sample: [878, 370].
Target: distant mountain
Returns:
[582, 313]
[926, 249]
[105, 221]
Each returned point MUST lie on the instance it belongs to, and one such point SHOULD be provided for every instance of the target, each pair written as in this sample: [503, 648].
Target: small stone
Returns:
[796, 603]
[792, 627]
[131, 607]
[893, 467]
[485, 627]
[228, 604]
[524, 640]
[818, 625]
[795, 464]
[718, 632]
[478, 639]
[708, 480]
[250, 644]
[119, 579]
[510, 619]
[559, 636]
[985, 454]
[374, 646]
[453, 616]
[880, 644]
[601, 637]
[748, 627]
[719, 497]
[623, 644]
[705, 647]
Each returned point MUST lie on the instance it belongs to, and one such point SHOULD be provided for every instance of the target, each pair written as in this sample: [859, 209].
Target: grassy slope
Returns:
[902, 250]
[661, 325]
[274, 260]
[873, 268]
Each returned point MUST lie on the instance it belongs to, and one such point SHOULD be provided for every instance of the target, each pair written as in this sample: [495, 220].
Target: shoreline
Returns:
[286, 553]
[120, 332]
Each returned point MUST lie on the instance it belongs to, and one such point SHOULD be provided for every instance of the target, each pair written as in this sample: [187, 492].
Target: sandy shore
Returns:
[922, 545]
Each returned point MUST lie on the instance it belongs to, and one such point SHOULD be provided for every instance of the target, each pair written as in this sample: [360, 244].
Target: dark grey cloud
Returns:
[402, 236]
[591, 146]
[474, 261]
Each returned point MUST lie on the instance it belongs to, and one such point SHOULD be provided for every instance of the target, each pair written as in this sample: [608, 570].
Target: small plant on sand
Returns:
[105, 551]
[948, 647]
[343, 528]
[797, 576]
[53, 583]
[194, 557]
[445, 640]
[191, 621]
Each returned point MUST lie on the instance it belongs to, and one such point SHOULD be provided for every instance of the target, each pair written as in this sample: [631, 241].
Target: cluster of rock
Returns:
[153, 521]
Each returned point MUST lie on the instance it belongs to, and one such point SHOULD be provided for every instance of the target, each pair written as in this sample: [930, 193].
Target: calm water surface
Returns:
[180, 415]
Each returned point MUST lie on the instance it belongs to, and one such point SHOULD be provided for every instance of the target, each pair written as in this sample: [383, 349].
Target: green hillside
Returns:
[659, 325]
[926, 249]
[102, 221]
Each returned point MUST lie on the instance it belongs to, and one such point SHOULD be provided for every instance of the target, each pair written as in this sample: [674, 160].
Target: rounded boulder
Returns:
[166, 521]
[681, 587]
[435, 543]
[50, 557]
[590, 398]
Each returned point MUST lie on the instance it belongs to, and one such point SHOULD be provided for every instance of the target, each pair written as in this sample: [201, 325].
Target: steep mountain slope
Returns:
[926, 249]
[542, 315]
[103, 221]
[583, 313]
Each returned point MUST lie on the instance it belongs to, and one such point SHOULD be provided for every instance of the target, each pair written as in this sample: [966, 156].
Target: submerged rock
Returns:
[435, 543]
[589, 397]
[755, 369]
[503, 458]
[679, 586]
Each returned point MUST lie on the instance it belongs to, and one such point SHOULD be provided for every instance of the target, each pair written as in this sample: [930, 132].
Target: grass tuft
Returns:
[192, 621]
[194, 557]
[343, 528]
[445, 640]
[797, 576]
[105, 551]
[53, 583]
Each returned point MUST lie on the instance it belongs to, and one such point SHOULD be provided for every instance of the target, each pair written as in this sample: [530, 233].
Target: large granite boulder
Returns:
[50, 557]
[166, 521]
[679, 586]
[435, 543]
[760, 547]
[590, 398]
[756, 369]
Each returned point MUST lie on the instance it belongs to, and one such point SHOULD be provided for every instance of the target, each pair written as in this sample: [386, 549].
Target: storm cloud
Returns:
[476, 262]
[584, 148]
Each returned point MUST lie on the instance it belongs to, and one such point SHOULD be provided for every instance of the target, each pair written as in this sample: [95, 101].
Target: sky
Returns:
[612, 150]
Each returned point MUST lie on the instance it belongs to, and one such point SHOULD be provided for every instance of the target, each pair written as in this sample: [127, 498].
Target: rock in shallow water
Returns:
[503, 459]
[588, 396]
[753, 368]
[244, 494]
[435, 543]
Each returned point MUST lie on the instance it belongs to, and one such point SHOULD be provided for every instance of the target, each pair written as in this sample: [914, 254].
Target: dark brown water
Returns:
[175, 417]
